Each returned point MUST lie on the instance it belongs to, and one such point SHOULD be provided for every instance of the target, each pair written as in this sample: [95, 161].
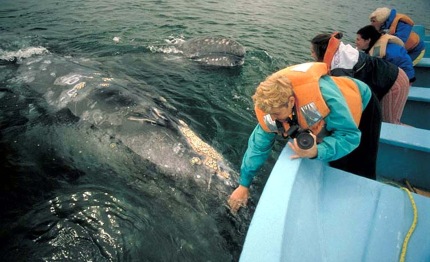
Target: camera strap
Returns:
[292, 122]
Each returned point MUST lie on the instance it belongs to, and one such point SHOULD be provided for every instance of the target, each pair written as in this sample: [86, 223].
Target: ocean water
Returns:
[75, 189]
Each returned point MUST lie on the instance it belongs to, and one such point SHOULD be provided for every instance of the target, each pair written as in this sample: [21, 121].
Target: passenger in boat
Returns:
[385, 46]
[389, 82]
[387, 20]
[342, 114]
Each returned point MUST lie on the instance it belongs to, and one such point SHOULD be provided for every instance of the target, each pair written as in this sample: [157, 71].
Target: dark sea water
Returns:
[73, 188]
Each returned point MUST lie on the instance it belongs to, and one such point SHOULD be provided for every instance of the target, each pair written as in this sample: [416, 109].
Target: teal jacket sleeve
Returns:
[260, 144]
[344, 134]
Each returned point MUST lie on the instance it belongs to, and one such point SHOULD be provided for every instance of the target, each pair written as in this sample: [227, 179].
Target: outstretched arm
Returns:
[260, 145]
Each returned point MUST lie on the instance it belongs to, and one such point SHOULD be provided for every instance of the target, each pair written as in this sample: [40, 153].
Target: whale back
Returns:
[216, 51]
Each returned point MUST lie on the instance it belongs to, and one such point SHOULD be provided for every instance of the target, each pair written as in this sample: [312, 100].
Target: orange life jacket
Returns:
[414, 38]
[333, 45]
[311, 108]
[379, 49]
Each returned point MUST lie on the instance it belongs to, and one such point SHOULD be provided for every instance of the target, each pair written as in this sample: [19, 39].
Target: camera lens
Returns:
[305, 140]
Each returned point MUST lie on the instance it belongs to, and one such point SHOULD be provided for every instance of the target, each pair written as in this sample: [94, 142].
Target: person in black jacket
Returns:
[389, 82]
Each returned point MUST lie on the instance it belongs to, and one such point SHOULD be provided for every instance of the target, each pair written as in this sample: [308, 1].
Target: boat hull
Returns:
[311, 212]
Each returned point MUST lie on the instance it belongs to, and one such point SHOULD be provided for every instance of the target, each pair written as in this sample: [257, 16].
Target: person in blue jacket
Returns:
[345, 126]
[387, 20]
[385, 46]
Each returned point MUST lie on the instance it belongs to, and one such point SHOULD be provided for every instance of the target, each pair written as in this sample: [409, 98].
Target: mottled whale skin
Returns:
[131, 175]
[132, 114]
[214, 51]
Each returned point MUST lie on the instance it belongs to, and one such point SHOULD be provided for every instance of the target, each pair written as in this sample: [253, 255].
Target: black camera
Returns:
[303, 136]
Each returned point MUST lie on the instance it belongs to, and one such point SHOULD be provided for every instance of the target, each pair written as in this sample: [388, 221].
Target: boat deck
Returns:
[333, 216]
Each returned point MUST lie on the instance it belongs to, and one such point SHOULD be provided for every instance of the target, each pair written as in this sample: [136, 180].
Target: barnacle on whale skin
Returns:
[211, 158]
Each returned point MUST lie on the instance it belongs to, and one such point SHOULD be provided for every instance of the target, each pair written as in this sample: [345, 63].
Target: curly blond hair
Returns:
[380, 14]
[274, 92]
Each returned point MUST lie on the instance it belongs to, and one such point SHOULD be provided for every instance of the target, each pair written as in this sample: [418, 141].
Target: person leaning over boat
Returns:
[342, 113]
[388, 47]
[387, 20]
[389, 82]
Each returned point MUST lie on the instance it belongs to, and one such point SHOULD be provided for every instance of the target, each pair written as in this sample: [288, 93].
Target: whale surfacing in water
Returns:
[214, 51]
[132, 115]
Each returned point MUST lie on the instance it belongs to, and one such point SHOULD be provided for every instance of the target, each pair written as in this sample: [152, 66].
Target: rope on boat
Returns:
[412, 228]
[414, 221]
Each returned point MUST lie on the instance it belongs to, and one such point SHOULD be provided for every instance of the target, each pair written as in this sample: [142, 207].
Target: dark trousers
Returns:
[362, 160]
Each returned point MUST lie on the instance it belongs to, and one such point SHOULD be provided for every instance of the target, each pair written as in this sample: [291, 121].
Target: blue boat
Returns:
[309, 211]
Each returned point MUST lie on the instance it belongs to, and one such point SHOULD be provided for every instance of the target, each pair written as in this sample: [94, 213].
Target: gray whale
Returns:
[130, 176]
[130, 112]
[214, 51]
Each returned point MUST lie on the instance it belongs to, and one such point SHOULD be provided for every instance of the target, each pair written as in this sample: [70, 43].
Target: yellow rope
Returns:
[412, 228]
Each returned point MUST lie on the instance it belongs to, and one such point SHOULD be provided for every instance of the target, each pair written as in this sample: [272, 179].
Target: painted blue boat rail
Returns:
[417, 93]
[423, 67]
[420, 30]
[425, 61]
[311, 212]
[417, 108]
[404, 153]
[406, 137]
